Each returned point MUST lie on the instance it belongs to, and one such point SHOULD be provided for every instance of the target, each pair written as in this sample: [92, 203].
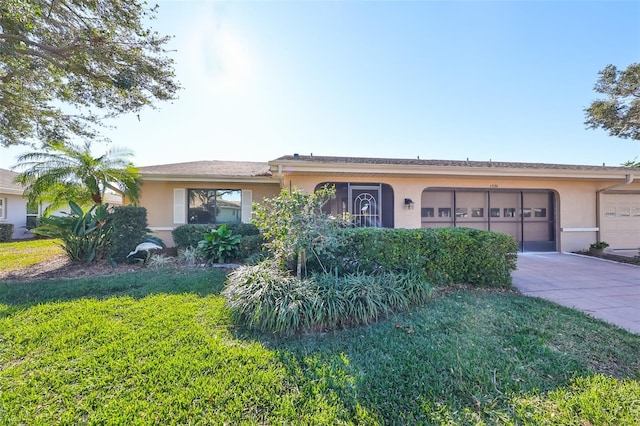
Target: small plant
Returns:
[189, 256]
[159, 261]
[219, 244]
[599, 245]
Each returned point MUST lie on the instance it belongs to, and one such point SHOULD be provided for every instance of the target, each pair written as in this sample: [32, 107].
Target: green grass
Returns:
[158, 347]
[21, 254]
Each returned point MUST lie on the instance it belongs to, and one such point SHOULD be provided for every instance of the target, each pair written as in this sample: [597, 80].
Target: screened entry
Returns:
[367, 204]
[529, 216]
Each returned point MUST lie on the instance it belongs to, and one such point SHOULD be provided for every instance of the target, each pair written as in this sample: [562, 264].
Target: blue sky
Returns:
[504, 80]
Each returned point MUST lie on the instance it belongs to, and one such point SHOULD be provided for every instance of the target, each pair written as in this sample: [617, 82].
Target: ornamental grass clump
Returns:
[265, 299]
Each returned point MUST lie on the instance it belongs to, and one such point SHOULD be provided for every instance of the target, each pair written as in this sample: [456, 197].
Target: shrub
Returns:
[6, 232]
[219, 244]
[84, 235]
[250, 247]
[442, 256]
[297, 229]
[267, 299]
[243, 229]
[129, 228]
[189, 235]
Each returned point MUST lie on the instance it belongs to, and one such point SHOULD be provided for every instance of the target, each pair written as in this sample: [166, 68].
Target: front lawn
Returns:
[158, 347]
[21, 254]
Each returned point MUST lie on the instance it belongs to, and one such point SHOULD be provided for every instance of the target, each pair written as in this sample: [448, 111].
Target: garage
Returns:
[620, 219]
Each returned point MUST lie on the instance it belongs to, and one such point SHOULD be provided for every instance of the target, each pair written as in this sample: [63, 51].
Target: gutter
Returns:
[628, 180]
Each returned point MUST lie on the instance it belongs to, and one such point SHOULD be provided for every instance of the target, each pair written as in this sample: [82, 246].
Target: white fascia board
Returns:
[201, 178]
[384, 169]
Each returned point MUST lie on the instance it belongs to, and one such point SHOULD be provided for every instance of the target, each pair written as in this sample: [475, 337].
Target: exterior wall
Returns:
[157, 198]
[16, 214]
[576, 206]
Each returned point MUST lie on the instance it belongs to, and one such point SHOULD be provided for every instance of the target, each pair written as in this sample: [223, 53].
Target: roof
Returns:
[7, 185]
[442, 163]
[216, 170]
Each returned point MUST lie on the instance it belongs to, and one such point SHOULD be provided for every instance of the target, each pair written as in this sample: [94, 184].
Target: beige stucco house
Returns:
[546, 207]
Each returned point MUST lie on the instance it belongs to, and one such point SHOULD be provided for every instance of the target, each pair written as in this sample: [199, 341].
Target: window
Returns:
[32, 215]
[3, 208]
[427, 212]
[210, 206]
[444, 212]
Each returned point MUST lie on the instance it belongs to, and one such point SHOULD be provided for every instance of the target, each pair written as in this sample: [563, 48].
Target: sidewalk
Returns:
[606, 290]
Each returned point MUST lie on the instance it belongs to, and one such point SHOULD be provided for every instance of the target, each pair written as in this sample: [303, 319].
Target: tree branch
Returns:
[58, 51]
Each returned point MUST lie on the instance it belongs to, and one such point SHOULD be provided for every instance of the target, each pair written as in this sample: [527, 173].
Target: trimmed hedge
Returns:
[6, 232]
[191, 234]
[442, 255]
[250, 245]
[128, 229]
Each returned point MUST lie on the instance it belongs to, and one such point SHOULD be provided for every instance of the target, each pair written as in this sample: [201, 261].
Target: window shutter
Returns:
[179, 199]
[247, 195]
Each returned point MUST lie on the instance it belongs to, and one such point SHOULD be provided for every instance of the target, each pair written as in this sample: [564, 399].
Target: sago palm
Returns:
[67, 172]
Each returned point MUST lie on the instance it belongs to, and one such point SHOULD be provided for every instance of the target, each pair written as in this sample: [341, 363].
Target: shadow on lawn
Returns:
[138, 284]
[466, 355]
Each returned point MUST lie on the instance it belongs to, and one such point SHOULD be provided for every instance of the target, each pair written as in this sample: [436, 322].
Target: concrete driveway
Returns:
[606, 290]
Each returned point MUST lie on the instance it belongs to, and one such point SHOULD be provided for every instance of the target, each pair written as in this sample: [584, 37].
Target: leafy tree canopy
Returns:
[64, 173]
[619, 113]
[66, 65]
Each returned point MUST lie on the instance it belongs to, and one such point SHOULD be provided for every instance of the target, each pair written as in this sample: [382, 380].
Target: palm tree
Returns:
[68, 172]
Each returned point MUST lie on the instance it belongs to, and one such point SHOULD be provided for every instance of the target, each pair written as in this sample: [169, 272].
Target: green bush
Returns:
[243, 229]
[268, 300]
[189, 235]
[443, 255]
[250, 247]
[6, 232]
[129, 228]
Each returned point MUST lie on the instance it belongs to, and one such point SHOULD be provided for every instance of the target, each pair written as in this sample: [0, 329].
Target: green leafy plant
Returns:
[219, 244]
[296, 228]
[599, 245]
[83, 235]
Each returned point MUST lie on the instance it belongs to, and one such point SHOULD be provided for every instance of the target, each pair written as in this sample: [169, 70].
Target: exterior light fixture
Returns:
[408, 203]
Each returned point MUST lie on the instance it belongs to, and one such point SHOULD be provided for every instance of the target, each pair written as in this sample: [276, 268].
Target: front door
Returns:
[365, 205]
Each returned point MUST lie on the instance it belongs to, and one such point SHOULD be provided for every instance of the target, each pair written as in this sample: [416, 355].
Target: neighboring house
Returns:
[546, 207]
[14, 208]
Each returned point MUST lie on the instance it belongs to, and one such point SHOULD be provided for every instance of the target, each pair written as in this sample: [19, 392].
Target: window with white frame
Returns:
[209, 206]
[3, 208]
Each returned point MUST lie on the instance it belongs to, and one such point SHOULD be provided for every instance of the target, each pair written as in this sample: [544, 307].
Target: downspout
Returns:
[628, 180]
[280, 176]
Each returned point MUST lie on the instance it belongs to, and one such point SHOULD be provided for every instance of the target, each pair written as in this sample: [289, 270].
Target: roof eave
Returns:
[423, 170]
[208, 178]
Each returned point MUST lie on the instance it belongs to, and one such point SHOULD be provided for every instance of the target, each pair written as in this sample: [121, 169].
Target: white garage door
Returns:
[620, 220]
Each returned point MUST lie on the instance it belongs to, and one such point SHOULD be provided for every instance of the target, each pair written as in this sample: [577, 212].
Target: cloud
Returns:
[218, 58]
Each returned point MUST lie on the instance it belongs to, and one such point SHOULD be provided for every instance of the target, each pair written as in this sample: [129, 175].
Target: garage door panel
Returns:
[620, 220]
